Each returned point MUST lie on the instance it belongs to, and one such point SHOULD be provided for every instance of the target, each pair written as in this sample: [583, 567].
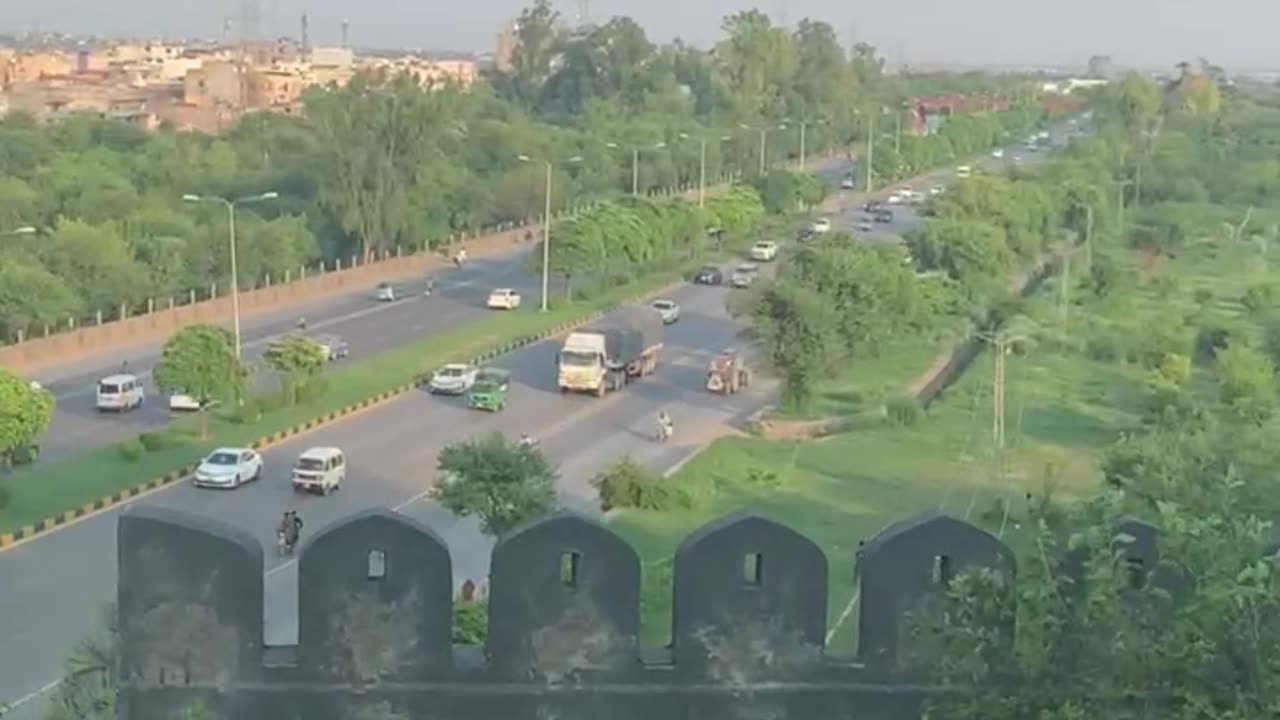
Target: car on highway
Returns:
[821, 225]
[453, 379]
[668, 310]
[744, 275]
[882, 216]
[912, 196]
[334, 347]
[873, 206]
[964, 171]
[895, 198]
[863, 224]
[182, 402]
[937, 190]
[764, 251]
[847, 183]
[503, 299]
[120, 393]
[319, 470]
[997, 153]
[384, 292]
[490, 390]
[805, 235]
[708, 275]
[228, 468]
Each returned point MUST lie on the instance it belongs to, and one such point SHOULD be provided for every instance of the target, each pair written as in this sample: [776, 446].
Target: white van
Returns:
[964, 171]
[120, 393]
[320, 470]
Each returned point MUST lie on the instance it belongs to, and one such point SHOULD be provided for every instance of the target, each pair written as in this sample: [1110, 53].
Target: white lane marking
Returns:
[848, 610]
[45, 689]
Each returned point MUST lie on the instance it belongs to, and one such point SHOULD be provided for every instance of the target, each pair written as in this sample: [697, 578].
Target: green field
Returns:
[48, 489]
[1067, 401]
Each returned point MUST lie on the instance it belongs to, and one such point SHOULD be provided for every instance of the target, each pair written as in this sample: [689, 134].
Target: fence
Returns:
[125, 326]
[749, 604]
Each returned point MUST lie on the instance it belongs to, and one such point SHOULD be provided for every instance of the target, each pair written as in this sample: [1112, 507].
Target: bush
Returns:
[904, 411]
[629, 484]
[1209, 342]
[130, 450]
[470, 622]
[1104, 348]
[1260, 296]
[249, 412]
[24, 454]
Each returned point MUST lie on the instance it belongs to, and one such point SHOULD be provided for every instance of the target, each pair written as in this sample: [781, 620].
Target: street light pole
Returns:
[702, 173]
[231, 239]
[546, 241]
[871, 149]
[803, 126]
[764, 133]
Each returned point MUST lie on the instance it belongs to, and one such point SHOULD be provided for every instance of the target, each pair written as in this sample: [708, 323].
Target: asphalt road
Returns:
[367, 325]
[55, 586]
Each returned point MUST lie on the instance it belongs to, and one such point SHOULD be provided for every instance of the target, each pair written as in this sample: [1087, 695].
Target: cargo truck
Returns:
[609, 354]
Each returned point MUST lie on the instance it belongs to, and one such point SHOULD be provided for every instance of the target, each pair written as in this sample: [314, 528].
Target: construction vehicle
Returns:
[610, 353]
[728, 373]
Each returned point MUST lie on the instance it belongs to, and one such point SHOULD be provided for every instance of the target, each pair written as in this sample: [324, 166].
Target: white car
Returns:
[895, 198]
[334, 347]
[504, 299]
[764, 251]
[997, 153]
[182, 402]
[937, 190]
[453, 379]
[964, 171]
[847, 183]
[744, 275]
[913, 196]
[228, 468]
[864, 225]
[384, 292]
[821, 225]
[668, 309]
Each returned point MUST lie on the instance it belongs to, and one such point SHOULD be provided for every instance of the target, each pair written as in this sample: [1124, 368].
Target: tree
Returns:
[799, 329]
[31, 296]
[503, 484]
[295, 358]
[1247, 381]
[25, 412]
[200, 361]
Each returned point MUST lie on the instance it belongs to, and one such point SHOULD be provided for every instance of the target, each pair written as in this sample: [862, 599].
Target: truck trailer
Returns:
[612, 352]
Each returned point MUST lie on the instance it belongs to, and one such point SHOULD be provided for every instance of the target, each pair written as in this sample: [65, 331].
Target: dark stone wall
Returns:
[375, 594]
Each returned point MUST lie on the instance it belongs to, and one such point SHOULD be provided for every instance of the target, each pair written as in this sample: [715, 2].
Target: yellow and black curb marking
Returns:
[48, 524]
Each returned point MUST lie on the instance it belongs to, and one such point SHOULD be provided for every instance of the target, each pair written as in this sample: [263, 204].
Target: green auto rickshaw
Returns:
[490, 390]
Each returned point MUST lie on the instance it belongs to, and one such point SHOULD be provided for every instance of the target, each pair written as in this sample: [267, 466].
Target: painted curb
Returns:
[26, 532]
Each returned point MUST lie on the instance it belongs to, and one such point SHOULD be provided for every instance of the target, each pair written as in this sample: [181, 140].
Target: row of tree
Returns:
[384, 162]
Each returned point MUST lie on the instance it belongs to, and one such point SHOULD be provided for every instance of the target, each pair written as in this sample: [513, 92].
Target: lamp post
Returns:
[231, 239]
[635, 161]
[702, 165]
[546, 227]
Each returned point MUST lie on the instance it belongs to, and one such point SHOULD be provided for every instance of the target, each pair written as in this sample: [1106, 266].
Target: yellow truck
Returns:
[608, 355]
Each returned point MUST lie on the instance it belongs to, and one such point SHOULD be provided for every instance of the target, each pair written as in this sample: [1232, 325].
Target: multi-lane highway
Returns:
[367, 325]
[53, 587]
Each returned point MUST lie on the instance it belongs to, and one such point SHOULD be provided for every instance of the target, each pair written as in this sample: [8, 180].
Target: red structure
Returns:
[919, 110]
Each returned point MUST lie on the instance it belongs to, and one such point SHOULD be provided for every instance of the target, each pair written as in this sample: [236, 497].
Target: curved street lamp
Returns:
[231, 224]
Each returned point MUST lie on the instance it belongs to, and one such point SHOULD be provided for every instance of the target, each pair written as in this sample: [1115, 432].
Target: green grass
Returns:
[1064, 409]
[48, 489]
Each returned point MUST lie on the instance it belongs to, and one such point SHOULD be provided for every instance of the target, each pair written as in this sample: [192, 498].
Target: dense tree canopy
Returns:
[383, 162]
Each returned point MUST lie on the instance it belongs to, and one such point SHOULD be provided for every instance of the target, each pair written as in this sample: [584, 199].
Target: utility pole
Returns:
[871, 149]
[997, 396]
[702, 173]
[1064, 291]
[1120, 186]
[803, 126]
[764, 133]
[897, 136]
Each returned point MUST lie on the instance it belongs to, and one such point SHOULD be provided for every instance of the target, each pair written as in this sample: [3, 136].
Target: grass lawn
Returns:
[1065, 405]
[48, 489]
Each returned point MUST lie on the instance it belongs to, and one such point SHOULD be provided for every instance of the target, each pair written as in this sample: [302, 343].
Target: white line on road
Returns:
[30, 696]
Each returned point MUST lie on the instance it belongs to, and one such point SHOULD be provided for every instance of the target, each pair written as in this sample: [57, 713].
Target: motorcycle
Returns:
[284, 543]
[529, 442]
[665, 431]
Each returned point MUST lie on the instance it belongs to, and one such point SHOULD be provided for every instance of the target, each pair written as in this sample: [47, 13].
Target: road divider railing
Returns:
[28, 531]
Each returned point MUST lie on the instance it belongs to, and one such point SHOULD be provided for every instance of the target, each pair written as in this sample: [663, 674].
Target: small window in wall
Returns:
[377, 564]
[941, 569]
[753, 569]
[569, 569]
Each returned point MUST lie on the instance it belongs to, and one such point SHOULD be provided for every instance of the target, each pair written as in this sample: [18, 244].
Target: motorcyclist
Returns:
[302, 323]
[290, 528]
[460, 257]
[430, 287]
[666, 428]
[526, 441]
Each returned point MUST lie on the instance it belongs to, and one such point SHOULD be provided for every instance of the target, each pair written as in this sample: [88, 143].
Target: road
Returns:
[367, 325]
[56, 585]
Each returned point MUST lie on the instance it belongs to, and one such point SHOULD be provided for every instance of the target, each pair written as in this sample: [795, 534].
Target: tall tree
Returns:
[503, 484]
[25, 411]
[200, 361]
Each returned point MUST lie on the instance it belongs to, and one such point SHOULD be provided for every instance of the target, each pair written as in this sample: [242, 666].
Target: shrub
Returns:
[1203, 296]
[249, 412]
[1210, 341]
[470, 622]
[1260, 296]
[628, 484]
[130, 450]
[904, 411]
[24, 454]
[1104, 348]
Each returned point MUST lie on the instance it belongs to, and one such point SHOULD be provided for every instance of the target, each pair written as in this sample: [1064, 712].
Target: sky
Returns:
[1148, 33]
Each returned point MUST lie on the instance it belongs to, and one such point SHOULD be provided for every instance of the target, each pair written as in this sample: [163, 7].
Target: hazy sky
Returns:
[1141, 32]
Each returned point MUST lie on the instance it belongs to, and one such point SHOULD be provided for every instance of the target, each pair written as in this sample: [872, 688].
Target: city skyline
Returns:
[979, 33]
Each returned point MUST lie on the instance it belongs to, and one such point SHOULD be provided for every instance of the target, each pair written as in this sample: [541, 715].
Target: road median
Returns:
[46, 497]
